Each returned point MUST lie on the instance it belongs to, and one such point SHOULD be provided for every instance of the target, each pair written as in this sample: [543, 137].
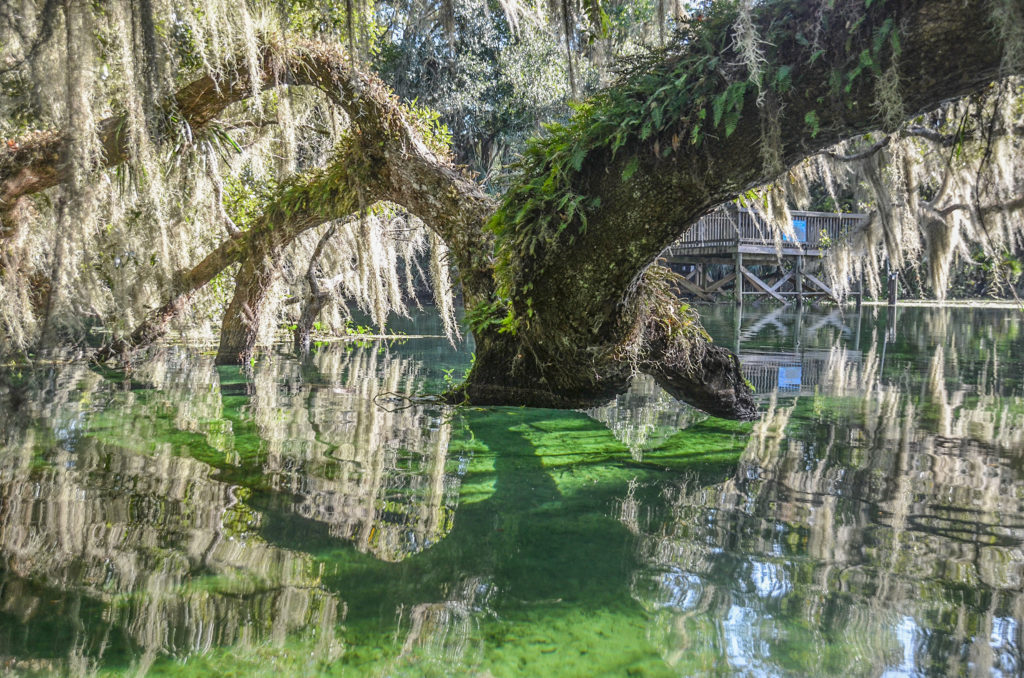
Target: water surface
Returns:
[303, 518]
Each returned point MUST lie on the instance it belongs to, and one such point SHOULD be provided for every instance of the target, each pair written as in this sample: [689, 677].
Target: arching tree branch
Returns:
[39, 161]
[566, 297]
[385, 158]
[389, 161]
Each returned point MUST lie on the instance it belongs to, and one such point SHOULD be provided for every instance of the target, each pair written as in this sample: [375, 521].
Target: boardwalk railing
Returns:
[791, 373]
[732, 227]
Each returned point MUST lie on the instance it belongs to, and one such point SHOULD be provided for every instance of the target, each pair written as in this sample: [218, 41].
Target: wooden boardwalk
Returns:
[791, 373]
[791, 369]
[719, 252]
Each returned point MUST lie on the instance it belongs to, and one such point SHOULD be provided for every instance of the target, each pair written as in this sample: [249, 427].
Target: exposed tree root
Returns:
[713, 383]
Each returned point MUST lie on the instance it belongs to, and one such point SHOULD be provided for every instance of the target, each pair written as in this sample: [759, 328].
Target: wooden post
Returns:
[893, 283]
[860, 291]
[798, 278]
[798, 326]
[737, 320]
[739, 277]
[702, 275]
[856, 336]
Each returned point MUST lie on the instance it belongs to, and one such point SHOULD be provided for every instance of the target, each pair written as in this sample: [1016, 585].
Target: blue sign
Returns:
[790, 377]
[800, 228]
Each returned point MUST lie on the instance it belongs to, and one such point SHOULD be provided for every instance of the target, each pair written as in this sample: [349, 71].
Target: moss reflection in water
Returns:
[196, 520]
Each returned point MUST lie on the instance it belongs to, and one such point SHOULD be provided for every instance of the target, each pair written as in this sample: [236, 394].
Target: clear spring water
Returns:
[192, 520]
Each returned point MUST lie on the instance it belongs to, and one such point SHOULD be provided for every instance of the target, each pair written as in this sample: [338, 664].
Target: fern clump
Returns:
[671, 101]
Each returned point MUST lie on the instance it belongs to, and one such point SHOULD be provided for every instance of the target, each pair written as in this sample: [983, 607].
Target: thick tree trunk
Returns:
[570, 295]
[240, 329]
[715, 384]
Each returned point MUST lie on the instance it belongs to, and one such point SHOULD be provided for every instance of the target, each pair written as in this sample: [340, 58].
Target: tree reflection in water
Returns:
[280, 522]
[141, 503]
[645, 416]
[874, 527]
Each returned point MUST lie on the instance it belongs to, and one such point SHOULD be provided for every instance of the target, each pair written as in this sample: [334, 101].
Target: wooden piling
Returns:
[893, 284]
[739, 278]
[798, 280]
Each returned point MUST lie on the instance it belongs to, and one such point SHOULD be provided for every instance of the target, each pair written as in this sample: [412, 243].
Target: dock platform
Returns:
[718, 253]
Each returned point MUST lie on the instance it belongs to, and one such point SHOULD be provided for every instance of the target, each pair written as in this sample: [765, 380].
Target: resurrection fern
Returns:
[664, 100]
[545, 202]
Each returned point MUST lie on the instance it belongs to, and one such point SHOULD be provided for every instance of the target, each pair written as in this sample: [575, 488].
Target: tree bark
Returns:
[317, 297]
[240, 329]
[302, 336]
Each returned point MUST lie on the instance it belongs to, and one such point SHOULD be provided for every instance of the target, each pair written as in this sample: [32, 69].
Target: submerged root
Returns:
[660, 337]
[669, 343]
[692, 369]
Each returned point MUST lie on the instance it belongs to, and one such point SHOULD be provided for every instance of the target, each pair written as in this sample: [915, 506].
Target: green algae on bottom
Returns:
[192, 520]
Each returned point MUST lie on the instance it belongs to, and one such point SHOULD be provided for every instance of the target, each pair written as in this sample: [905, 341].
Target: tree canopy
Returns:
[153, 152]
